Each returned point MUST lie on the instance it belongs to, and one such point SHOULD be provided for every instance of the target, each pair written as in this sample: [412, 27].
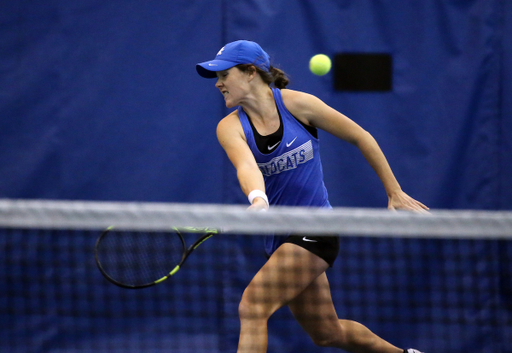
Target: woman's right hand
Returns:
[258, 205]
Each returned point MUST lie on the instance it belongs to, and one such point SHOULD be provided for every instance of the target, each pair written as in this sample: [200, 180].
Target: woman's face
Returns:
[233, 84]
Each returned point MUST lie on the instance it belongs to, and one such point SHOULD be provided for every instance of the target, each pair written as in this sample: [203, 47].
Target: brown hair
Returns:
[274, 76]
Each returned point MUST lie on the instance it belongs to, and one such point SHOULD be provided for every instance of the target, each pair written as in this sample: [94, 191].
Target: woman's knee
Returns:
[329, 336]
[254, 305]
[250, 308]
[325, 341]
[245, 307]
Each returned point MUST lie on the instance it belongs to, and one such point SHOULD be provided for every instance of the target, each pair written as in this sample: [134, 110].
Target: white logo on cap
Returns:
[220, 51]
[213, 65]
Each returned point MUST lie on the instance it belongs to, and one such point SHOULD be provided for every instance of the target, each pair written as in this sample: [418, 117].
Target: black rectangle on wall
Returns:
[363, 72]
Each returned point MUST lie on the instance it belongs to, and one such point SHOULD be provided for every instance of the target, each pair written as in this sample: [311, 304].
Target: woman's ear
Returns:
[251, 72]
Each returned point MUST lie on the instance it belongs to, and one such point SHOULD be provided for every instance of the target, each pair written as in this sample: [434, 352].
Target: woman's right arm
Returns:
[232, 138]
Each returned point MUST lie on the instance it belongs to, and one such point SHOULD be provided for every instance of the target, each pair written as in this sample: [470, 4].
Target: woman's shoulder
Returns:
[290, 94]
[298, 103]
[230, 122]
[293, 97]
[230, 118]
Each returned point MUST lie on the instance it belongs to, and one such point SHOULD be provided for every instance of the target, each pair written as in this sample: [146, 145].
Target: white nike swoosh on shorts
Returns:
[311, 240]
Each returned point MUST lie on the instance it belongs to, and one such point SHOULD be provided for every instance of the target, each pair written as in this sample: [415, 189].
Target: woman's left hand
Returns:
[401, 201]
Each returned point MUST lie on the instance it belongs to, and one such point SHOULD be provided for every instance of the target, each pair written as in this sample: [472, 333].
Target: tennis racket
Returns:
[140, 259]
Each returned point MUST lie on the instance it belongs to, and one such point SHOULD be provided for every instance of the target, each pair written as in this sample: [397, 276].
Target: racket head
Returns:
[138, 259]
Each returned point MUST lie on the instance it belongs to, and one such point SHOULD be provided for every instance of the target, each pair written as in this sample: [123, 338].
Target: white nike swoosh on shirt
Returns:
[272, 147]
[289, 144]
[311, 240]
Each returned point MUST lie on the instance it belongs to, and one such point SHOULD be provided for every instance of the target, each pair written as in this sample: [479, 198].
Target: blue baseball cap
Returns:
[232, 54]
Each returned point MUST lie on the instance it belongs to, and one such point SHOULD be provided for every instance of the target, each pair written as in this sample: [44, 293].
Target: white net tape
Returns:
[91, 215]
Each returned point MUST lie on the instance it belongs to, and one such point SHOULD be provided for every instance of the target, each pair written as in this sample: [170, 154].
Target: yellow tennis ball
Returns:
[320, 64]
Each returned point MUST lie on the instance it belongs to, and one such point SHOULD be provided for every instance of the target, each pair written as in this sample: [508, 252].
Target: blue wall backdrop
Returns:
[100, 100]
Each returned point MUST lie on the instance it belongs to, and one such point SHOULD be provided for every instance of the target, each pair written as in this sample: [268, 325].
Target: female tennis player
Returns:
[272, 141]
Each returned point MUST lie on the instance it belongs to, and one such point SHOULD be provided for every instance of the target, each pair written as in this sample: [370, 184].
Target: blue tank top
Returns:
[293, 171]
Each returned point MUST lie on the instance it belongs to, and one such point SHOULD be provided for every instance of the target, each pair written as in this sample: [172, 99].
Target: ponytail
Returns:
[280, 79]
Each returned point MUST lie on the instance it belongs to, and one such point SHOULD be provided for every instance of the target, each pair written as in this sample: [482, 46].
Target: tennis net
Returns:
[440, 282]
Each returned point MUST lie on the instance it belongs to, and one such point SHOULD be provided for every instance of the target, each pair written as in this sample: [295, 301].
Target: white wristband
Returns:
[257, 193]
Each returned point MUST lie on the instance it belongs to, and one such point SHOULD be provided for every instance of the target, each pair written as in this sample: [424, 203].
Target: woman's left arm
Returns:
[312, 111]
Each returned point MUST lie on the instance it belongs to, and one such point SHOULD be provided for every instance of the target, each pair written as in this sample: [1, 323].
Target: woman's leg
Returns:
[289, 271]
[314, 310]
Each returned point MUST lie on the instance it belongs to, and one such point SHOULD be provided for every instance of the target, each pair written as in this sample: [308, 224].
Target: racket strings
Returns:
[138, 258]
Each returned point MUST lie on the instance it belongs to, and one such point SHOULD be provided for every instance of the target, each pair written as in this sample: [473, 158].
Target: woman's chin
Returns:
[230, 104]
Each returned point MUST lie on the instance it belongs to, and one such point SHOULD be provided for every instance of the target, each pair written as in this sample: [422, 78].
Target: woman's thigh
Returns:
[289, 271]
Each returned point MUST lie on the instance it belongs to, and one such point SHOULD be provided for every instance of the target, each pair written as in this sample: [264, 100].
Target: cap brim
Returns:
[209, 69]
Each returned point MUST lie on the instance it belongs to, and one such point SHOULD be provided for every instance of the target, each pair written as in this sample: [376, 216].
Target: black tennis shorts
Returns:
[325, 247]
